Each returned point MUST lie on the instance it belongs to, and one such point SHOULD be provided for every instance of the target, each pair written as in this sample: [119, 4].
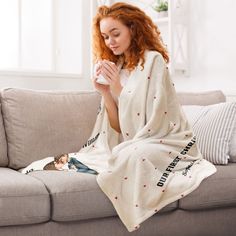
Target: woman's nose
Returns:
[111, 41]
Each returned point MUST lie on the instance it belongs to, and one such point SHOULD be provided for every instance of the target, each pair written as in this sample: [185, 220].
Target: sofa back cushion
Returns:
[39, 124]
[3, 143]
[201, 98]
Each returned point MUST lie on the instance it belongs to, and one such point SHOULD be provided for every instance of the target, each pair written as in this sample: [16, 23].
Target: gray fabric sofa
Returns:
[37, 124]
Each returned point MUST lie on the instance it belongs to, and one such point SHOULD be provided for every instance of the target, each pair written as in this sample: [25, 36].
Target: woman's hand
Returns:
[101, 88]
[111, 73]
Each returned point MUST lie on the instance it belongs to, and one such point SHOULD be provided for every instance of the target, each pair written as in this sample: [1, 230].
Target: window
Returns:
[45, 36]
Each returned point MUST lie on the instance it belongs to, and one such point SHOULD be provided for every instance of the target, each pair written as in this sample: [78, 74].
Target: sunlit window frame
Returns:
[86, 48]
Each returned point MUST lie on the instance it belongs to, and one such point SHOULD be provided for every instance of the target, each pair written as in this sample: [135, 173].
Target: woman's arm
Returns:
[112, 111]
[111, 74]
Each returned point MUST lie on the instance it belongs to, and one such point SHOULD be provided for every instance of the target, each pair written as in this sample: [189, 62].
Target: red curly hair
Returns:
[144, 34]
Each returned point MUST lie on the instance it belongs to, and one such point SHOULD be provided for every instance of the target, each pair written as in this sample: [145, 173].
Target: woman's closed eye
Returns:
[114, 35]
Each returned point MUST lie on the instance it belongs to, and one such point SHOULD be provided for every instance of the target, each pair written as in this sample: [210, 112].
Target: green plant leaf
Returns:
[161, 5]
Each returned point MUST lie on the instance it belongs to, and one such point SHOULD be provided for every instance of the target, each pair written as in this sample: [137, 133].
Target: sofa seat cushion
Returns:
[216, 191]
[23, 199]
[77, 196]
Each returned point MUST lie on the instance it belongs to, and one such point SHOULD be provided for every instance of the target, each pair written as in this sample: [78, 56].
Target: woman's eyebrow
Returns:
[110, 30]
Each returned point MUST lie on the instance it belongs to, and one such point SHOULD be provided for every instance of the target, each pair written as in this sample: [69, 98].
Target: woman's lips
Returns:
[114, 48]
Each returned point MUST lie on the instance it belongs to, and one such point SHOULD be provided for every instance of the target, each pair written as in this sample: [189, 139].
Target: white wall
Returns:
[212, 54]
[212, 47]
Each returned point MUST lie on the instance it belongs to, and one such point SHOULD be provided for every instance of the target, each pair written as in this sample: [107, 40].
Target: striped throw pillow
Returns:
[213, 126]
[232, 146]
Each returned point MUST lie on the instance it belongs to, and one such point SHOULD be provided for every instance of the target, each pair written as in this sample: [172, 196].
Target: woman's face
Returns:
[116, 35]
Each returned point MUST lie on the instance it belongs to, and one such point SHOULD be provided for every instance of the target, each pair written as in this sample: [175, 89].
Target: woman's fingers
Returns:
[107, 71]
[106, 77]
[110, 66]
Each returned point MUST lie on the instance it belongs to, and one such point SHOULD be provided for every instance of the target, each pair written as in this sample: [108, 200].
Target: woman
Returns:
[121, 36]
[158, 161]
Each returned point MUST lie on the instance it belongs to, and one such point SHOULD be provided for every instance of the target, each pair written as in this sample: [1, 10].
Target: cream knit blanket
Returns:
[158, 162]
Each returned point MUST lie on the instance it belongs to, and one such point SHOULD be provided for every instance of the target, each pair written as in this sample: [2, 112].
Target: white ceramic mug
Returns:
[101, 80]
